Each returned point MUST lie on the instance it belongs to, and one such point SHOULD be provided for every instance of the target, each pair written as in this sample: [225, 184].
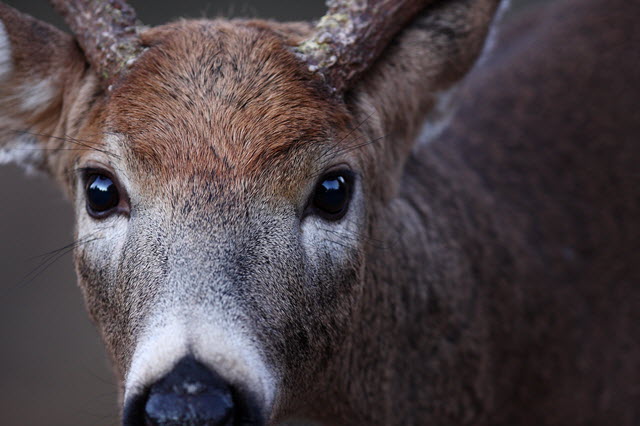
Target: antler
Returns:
[107, 31]
[352, 35]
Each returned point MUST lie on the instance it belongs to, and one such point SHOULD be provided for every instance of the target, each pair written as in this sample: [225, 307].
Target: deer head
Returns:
[230, 181]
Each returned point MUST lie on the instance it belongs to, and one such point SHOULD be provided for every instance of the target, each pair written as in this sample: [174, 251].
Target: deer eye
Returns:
[332, 195]
[102, 195]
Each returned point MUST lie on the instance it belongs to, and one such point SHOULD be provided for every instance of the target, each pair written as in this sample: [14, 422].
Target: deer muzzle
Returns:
[191, 394]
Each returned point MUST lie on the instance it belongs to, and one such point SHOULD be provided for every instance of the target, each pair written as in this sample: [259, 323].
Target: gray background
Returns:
[52, 365]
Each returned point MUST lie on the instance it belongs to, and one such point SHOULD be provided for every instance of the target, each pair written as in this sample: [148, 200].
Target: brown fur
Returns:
[233, 102]
[489, 280]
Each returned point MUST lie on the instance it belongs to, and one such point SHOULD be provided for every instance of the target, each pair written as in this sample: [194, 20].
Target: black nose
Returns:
[190, 394]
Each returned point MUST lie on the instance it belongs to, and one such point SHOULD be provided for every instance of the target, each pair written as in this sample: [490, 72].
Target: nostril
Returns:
[190, 394]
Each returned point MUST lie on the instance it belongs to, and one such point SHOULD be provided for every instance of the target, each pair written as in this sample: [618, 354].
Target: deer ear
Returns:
[426, 58]
[37, 63]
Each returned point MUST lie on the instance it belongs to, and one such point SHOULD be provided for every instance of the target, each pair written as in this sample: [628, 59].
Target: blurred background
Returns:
[53, 368]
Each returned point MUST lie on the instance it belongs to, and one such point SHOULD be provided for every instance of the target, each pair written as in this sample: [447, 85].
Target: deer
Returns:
[362, 220]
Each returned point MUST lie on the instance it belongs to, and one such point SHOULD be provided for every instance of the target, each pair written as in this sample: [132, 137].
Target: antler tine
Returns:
[107, 31]
[352, 35]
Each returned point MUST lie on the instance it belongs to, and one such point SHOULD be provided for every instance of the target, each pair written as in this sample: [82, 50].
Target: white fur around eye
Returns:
[322, 238]
[5, 53]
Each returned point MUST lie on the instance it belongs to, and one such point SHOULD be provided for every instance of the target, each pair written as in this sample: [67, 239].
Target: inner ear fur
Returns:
[38, 64]
[396, 93]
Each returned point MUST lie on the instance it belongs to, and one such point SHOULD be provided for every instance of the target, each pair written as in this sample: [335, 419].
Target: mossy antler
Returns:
[107, 32]
[351, 36]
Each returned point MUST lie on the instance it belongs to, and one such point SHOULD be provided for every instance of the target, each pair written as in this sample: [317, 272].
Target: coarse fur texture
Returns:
[106, 31]
[481, 278]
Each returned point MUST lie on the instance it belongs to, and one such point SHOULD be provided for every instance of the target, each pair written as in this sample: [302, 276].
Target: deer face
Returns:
[219, 215]
[225, 194]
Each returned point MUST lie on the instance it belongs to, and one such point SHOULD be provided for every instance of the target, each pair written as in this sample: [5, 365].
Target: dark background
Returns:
[53, 368]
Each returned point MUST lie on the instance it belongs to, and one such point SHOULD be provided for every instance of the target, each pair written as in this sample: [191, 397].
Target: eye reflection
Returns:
[332, 195]
[102, 194]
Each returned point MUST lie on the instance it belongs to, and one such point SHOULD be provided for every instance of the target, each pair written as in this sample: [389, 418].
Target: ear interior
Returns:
[5, 53]
[37, 63]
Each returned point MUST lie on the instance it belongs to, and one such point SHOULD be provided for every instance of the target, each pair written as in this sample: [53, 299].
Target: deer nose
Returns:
[190, 394]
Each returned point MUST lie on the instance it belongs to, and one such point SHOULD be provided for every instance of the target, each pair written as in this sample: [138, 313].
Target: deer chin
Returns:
[211, 340]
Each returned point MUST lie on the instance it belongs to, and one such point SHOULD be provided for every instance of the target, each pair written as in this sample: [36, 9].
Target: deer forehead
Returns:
[214, 98]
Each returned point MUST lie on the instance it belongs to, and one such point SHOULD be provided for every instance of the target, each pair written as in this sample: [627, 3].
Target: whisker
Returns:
[53, 252]
[48, 255]
[389, 243]
[87, 369]
[349, 149]
[369, 142]
[338, 243]
[78, 170]
[52, 258]
[352, 236]
[53, 149]
[330, 148]
[49, 259]
[84, 143]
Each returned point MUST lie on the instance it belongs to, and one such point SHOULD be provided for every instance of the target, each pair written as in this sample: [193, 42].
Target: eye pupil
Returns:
[332, 197]
[102, 194]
